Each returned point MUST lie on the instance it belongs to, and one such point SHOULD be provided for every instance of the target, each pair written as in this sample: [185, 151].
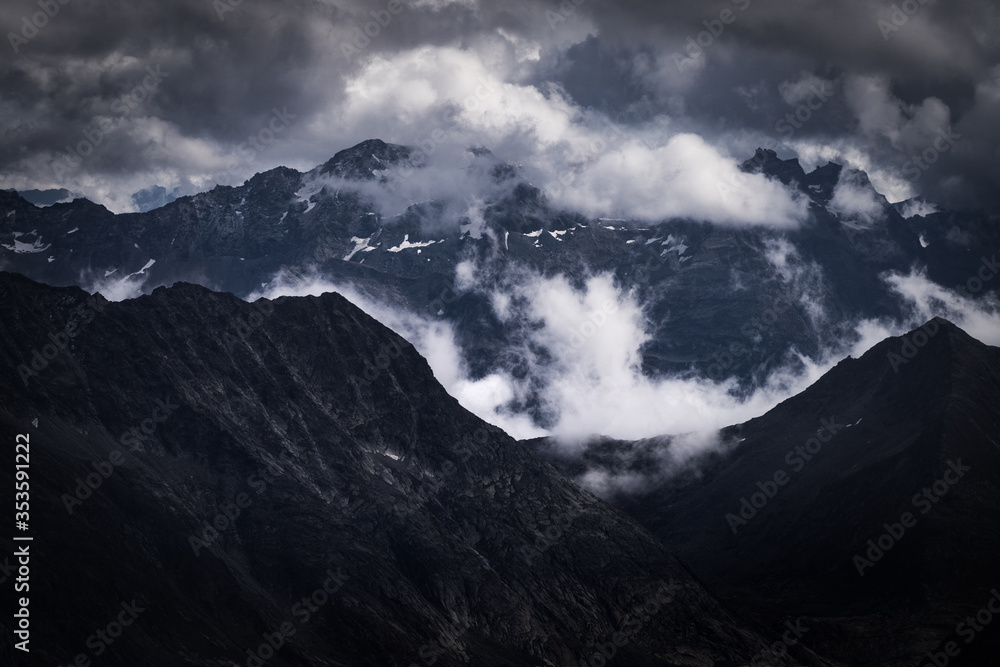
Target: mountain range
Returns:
[285, 481]
[703, 287]
[264, 422]
[310, 487]
[866, 505]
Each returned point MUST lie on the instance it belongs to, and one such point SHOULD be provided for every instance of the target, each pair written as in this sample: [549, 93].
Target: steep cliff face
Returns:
[866, 504]
[285, 482]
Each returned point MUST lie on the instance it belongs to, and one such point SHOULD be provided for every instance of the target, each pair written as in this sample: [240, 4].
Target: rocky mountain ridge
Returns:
[284, 483]
[866, 505]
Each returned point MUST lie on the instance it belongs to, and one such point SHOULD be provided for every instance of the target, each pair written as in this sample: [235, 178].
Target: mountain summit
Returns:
[360, 162]
[867, 501]
[284, 483]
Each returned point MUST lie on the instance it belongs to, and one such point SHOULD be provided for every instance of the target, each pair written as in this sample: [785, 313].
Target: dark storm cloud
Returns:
[948, 51]
[228, 64]
[937, 41]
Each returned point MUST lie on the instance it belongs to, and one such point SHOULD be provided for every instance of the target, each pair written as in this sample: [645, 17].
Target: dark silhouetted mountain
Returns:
[766, 161]
[223, 474]
[867, 504]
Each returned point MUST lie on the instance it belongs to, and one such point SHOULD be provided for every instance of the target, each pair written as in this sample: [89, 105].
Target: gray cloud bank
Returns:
[107, 98]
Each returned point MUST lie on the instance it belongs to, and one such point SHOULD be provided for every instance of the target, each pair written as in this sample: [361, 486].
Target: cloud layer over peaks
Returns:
[107, 101]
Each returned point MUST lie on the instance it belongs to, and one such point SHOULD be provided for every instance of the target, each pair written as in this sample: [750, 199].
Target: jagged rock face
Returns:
[789, 172]
[290, 472]
[901, 445]
[703, 286]
[361, 162]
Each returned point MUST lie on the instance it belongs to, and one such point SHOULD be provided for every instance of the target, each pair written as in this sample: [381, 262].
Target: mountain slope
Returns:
[289, 474]
[867, 503]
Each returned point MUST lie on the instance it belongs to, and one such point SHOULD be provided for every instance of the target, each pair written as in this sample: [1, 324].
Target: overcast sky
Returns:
[106, 97]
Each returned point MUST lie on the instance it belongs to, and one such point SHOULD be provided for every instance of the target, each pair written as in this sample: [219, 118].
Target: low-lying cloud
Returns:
[581, 343]
[582, 347]
[685, 178]
[855, 200]
[978, 317]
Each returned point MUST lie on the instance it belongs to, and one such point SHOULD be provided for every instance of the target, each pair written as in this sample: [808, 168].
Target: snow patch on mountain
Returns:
[407, 245]
[360, 245]
[24, 248]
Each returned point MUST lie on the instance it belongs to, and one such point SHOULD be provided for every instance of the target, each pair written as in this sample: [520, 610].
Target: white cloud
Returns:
[576, 155]
[908, 127]
[925, 300]
[887, 180]
[645, 464]
[434, 339]
[589, 378]
[915, 207]
[855, 201]
[581, 346]
[807, 86]
[803, 280]
[980, 318]
[444, 99]
[685, 178]
[114, 288]
[583, 349]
